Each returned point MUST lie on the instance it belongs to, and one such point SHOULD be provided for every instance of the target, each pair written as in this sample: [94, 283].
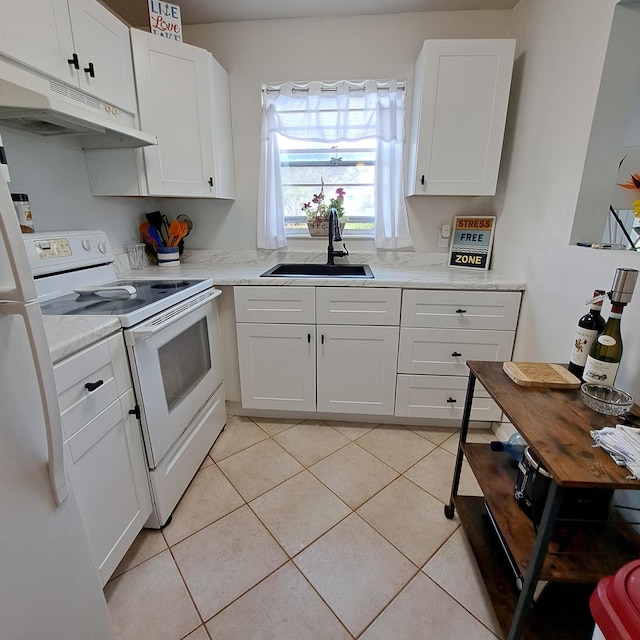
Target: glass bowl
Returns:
[607, 400]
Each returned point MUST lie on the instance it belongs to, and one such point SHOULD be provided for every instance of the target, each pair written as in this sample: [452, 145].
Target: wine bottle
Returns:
[606, 352]
[589, 326]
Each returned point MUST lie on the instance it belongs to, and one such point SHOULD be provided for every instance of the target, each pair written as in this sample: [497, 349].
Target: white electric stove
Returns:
[170, 328]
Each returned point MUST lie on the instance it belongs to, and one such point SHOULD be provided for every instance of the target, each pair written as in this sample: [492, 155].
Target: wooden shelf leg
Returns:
[547, 525]
[449, 509]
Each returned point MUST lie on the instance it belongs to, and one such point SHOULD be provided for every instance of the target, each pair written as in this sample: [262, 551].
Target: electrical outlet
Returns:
[443, 236]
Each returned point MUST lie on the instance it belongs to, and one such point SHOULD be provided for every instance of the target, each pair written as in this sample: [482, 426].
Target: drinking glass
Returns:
[135, 252]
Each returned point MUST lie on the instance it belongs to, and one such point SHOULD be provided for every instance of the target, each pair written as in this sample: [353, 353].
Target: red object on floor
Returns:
[615, 603]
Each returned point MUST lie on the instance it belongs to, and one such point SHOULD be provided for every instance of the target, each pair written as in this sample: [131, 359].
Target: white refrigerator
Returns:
[49, 585]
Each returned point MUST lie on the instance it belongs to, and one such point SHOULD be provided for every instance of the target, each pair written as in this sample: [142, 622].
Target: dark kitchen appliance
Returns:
[532, 486]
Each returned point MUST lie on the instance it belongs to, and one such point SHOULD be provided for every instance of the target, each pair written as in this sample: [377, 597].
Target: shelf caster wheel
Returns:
[449, 511]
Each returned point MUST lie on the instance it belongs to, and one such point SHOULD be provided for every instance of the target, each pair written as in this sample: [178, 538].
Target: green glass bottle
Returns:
[606, 352]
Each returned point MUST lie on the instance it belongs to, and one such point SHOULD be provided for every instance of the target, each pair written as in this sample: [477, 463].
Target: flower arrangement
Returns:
[633, 183]
[318, 210]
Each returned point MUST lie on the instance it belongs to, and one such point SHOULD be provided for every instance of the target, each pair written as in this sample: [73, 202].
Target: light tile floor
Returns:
[310, 530]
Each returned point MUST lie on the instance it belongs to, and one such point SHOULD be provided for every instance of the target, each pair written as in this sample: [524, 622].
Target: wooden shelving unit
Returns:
[561, 613]
[571, 555]
[578, 551]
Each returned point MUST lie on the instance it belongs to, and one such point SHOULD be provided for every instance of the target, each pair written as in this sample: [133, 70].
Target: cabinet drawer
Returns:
[460, 309]
[281, 305]
[364, 306]
[445, 351]
[442, 398]
[105, 361]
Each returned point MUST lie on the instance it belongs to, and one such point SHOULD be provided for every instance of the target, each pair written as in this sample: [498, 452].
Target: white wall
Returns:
[328, 49]
[560, 48]
[560, 54]
[54, 175]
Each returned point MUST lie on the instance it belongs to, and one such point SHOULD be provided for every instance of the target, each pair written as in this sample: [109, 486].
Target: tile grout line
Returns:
[291, 558]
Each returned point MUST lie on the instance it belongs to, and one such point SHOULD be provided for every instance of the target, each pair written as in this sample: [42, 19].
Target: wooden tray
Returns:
[540, 374]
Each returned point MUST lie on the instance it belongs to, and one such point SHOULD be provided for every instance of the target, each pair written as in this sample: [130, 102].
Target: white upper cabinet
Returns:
[78, 42]
[175, 106]
[460, 96]
[104, 50]
[183, 100]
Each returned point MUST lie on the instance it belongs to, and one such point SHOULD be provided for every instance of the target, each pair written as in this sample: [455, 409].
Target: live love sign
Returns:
[472, 241]
[165, 20]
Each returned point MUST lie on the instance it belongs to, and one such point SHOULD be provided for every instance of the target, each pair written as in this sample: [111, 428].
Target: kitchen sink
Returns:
[311, 270]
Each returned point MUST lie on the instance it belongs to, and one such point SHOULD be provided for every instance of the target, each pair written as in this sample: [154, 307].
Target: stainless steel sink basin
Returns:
[313, 270]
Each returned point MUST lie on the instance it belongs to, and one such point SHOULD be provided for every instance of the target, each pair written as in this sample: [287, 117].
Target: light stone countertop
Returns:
[403, 270]
[68, 334]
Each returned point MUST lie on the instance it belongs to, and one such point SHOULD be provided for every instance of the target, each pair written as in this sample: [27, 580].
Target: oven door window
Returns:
[184, 361]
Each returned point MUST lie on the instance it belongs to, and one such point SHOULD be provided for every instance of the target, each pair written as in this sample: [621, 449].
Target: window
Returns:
[342, 135]
[307, 167]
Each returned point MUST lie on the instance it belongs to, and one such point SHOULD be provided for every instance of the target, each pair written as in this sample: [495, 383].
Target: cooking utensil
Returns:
[164, 229]
[107, 291]
[177, 231]
[152, 236]
[174, 230]
[155, 220]
[182, 232]
[187, 220]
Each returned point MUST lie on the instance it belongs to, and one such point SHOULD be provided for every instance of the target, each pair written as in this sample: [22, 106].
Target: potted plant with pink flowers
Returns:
[318, 210]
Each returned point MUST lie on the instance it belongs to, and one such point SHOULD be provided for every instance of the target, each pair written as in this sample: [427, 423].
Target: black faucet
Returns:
[334, 234]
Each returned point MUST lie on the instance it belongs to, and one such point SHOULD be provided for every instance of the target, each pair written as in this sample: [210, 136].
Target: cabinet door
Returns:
[37, 33]
[104, 51]
[224, 184]
[357, 369]
[277, 366]
[174, 103]
[460, 94]
[108, 474]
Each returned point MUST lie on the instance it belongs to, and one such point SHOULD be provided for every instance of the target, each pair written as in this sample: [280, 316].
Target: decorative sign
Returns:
[472, 241]
[165, 20]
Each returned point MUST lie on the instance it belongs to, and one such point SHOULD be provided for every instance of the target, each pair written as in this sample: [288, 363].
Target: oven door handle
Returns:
[146, 329]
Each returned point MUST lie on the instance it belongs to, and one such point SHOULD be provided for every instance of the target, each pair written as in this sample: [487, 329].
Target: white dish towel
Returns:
[622, 443]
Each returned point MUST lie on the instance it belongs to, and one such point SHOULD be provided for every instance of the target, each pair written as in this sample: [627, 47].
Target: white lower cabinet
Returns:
[338, 368]
[440, 331]
[346, 350]
[277, 366]
[104, 455]
[356, 369]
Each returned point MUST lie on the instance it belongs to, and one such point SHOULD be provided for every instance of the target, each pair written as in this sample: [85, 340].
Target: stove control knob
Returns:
[102, 247]
[87, 245]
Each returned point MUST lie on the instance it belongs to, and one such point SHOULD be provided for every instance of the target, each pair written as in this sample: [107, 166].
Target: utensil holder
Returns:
[168, 256]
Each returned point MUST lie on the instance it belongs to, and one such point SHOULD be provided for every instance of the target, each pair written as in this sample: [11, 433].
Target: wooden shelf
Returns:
[557, 426]
[561, 613]
[581, 552]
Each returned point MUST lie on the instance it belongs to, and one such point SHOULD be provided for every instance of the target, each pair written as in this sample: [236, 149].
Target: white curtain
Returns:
[333, 113]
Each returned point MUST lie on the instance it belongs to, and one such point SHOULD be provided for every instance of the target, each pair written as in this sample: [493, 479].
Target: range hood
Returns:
[46, 107]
